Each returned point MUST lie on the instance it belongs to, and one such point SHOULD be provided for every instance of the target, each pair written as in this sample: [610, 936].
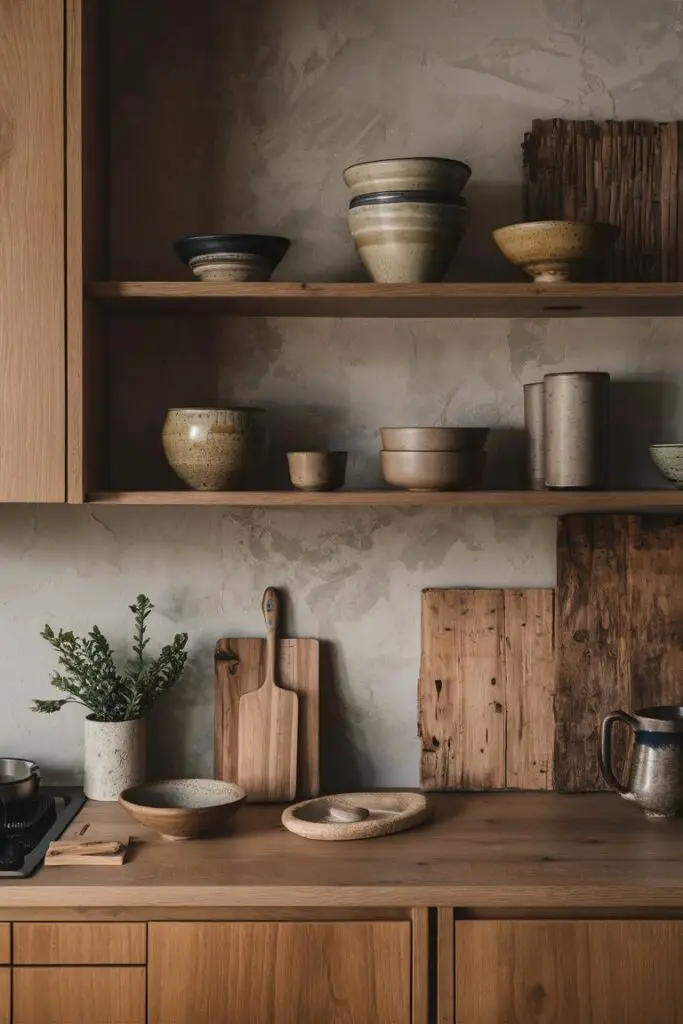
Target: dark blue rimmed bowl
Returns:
[270, 247]
[387, 198]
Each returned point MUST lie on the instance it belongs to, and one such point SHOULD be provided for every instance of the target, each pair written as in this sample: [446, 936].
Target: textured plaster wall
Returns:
[241, 116]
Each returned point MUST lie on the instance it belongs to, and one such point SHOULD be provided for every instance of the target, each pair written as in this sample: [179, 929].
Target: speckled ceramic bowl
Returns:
[183, 808]
[668, 458]
[434, 439]
[412, 174]
[552, 251]
[232, 257]
[214, 449]
[433, 471]
[408, 243]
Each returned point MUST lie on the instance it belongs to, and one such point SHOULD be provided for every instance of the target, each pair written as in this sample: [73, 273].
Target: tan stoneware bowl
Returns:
[434, 439]
[214, 449]
[317, 471]
[408, 174]
[552, 251]
[668, 458]
[407, 242]
[183, 808]
[433, 471]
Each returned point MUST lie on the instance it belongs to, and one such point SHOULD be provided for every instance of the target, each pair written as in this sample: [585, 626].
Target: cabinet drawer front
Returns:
[569, 971]
[5, 1002]
[79, 995]
[80, 944]
[4, 944]
[279, 973]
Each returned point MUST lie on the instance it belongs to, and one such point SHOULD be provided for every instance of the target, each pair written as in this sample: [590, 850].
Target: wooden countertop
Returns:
[478, 850]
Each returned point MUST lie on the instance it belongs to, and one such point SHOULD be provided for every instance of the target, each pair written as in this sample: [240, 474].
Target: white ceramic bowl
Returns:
[412, 174]
[433, 471]
[434, 439]
[668, 458]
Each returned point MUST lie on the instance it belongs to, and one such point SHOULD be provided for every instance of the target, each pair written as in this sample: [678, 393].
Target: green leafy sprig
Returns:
[90, 677]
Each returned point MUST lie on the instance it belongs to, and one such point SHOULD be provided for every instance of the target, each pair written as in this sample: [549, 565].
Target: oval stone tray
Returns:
[355, 815]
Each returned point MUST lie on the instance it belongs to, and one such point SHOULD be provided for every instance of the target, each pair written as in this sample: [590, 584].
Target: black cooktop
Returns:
[27, 828]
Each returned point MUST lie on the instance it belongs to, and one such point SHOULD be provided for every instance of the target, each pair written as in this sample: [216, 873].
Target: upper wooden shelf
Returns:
[552, 502]
[275, 299]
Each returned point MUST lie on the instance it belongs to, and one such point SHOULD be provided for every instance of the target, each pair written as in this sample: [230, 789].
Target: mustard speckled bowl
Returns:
[555, 250]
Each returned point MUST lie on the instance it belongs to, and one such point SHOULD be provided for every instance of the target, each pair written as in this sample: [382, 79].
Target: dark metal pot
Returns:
[19, 779]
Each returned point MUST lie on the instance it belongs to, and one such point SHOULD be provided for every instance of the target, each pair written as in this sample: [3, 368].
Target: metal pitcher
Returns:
[655, 776]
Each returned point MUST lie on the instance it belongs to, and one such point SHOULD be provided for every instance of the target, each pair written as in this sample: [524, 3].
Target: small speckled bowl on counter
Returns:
[183, 808]
[407, 237]
[214, 449]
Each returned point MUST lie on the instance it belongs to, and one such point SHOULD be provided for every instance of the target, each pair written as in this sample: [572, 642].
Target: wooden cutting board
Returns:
[485, 691]
[619, 631]
[240, 665]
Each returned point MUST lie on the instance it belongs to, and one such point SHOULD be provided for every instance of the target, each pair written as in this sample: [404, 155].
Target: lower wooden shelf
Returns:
[553, 502]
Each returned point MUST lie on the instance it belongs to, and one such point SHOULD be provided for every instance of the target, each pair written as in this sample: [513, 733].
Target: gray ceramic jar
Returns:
[214, 449]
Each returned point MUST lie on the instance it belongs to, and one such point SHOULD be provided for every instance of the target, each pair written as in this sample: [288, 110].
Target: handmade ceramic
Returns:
[552, 251]
[232, 267]
[655, 774]
[317, 471]
[668, 458]
[412, 174]
[214, 449]
[432, 471]
[355, 815]
[183, 808]
[115, 757]
[225, 257]
[434, 439]
[389, 198]
[576, 425]
[407, 243]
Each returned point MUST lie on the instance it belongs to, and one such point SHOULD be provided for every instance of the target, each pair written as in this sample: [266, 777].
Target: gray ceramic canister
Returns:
[576, 429]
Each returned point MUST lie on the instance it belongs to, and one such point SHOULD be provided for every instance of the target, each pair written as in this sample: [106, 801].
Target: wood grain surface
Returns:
[307, 973]
[32, 345]
[619, 613]
[267, 737]
[485, 689]
[76, 944]
[279, 298]
[5, 996]
[568, 971]
[79, 995]
[240, 669]
[5, 944]
[495, 850]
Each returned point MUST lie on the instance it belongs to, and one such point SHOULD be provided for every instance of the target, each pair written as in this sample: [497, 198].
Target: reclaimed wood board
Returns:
[619, 631]
[485, 689]
[240, 665]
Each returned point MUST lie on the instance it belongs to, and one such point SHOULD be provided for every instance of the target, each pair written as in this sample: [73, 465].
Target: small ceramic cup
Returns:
[317, 471]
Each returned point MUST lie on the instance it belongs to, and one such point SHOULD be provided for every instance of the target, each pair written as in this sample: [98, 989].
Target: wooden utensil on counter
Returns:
[268, 727]
[75, 853]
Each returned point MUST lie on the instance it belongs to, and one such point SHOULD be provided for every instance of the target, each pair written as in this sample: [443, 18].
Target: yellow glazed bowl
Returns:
[555, 250]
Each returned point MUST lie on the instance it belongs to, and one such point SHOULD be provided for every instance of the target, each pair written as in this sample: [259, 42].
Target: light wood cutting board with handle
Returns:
[240, 668]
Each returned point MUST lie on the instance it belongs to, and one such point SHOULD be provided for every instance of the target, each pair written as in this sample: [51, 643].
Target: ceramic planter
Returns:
[214, 449]
[115, 757]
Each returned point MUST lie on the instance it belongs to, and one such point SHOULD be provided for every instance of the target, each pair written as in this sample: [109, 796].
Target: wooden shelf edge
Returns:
[363, 299]
[556, 502]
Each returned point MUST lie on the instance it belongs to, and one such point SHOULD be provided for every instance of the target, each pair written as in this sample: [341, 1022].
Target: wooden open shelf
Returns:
[554, 502]
[275, 299]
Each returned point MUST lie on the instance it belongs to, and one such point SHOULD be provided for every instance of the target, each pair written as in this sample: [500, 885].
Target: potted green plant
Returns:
[117, 700]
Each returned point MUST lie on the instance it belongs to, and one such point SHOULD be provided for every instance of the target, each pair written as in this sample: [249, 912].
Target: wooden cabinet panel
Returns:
[79, 995]
[279, 973]
[32, 303]
[531, 972]
[5, 948]
[5, 995]
[80, 943]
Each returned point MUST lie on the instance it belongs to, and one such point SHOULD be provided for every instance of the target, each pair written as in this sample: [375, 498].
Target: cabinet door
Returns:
[565, 972]
[32, 280]
[5, 1004]
[279, 973]
[79, 995]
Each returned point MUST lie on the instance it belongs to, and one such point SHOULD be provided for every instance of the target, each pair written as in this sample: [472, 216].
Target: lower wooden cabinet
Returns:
[568, 972]
[280, 973]
[78, 995]
[5, 997]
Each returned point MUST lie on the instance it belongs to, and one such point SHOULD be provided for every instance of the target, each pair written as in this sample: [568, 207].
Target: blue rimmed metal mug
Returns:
[655, 775]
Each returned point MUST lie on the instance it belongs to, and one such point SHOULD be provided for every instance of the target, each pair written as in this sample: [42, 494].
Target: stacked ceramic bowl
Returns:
[407, 216]
[433, 458]
[232, 257]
